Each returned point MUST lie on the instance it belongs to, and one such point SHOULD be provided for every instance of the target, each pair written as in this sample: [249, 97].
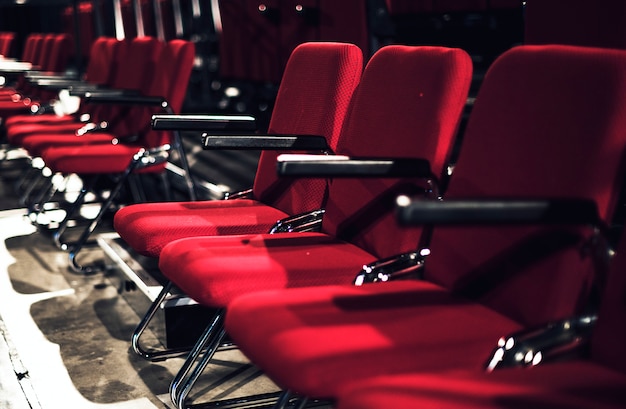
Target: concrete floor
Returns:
[65, 337]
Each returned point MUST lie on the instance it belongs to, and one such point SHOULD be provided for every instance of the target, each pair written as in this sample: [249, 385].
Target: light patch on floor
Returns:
[42, 359]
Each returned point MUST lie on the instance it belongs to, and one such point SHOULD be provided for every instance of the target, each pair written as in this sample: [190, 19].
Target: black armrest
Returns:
[105, 97]
[530, 347]
[343, 166]
[273, 142]
[95, 91]
[59, 83]
[504, 211]
[205, 123]
[51, 76]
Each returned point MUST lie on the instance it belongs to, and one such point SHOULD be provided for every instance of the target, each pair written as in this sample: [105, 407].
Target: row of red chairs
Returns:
[539, 173]
[111, 136]
[47, 53]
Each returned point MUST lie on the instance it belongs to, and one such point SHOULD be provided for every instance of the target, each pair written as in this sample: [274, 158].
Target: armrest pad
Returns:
[343, 166]
[52, 76]
[83, 91]
[513, 211]
[105, 97]
[233, 123]
[66, 83]
[274, 142]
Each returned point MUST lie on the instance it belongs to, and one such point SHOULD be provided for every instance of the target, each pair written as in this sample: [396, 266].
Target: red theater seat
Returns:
[408, 105]
[528, 137]
[312, 100]
[598, 381]
[122, 157]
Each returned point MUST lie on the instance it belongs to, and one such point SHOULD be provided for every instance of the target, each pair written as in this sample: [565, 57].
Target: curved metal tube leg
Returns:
[196, 361]
[154, 355]
[283, 400]
[78, 202]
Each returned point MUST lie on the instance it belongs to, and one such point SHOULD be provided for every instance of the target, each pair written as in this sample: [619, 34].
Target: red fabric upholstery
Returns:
[6, 43]
[567, 385]
[312, 100]
[599, 382]
[112, 54]
[320, 339]
[99, 71]
[215, 270]
[360, 211]
[53, 57]
[528, 136]
[507, 134]
[402, 89]
[173, 72]
[142, 55]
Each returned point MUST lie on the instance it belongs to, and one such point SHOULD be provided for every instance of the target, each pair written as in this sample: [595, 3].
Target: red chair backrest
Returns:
[408, 104]
[312, 99]
[32, 47]
[6, 43]
[536, 130]
[59, 53]
[102, 61]
[135, 70]
[170, 82]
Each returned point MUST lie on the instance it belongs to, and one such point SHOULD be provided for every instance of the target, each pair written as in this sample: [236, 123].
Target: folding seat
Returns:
[119, 158]
[535, 134]
[407, 105]
[596, 380]
[317, 84]
[134, 75]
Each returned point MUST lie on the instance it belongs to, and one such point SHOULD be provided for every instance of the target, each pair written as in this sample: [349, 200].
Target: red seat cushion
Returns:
[90, 159]
[35, 144]
[576, 384]
[314, 339]
[214, 270]
[149, 227]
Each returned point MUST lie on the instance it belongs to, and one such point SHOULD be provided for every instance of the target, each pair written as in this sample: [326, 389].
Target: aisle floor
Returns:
[66, 337]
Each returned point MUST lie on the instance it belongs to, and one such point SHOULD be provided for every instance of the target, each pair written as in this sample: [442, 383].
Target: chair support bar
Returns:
[303, 222]
[403, 265]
